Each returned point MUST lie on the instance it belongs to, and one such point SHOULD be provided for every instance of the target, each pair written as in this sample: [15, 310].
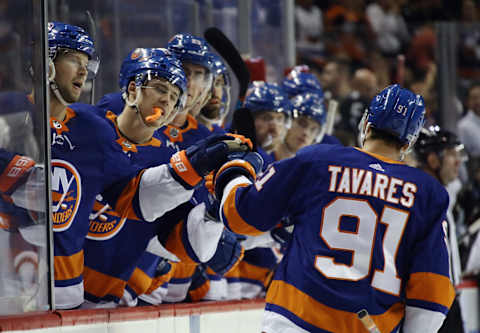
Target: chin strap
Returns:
[53, 84]
[135, 103]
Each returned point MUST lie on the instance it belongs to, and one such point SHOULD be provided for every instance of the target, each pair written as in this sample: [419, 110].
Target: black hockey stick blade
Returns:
[217, 39]
[243, 123]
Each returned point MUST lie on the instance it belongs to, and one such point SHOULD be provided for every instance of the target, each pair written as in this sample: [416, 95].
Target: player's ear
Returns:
[433, 161]
[132, 91]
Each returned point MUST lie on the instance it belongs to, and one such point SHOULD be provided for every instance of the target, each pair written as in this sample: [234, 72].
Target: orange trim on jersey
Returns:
[234, 272]
[183, 270]
[68, 267]
[61, 126]
[431, 287]
[15, 170]
[239, 260]
[182, 167]
[236, 223]
[327, 318]
[240, 163]
[159, 280]
[192, 124]
[5, 221]
[124, 205]
[253, 272]
[175, 244]
[198, 293]
[100, 285]
[124, 142]
[380, 157]
[139, 281]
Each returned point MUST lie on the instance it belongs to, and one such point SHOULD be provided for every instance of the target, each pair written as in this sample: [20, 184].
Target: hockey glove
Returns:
[199, 286]
[14, 171]
[239, 164]
[189, 166]
[228, 254]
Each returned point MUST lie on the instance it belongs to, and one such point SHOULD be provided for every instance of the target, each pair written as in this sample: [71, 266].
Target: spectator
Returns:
[389, 25]
[469, 125]
[364, 84]
[309, 27]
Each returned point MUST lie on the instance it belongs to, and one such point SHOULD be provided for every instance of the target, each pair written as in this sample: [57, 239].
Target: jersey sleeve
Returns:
[137, 193]
[429, 290]
[253, 208]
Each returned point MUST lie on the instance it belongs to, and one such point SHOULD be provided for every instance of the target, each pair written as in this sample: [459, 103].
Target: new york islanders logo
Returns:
[66, 194]
[105, 223]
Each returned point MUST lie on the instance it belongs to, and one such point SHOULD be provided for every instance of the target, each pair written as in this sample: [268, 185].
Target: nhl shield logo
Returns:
[173, 132]
[66, 194]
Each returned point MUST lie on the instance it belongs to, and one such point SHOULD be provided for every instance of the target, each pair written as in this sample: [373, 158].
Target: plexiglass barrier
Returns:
[24, 241]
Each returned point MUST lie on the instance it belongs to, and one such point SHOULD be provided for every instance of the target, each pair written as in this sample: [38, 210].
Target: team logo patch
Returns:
[105, 223]
[66, 194]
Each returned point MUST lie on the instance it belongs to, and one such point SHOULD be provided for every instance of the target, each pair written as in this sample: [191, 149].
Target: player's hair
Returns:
[387, 137]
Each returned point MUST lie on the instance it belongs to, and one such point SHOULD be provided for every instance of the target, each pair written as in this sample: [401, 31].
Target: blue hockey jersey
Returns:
[85, 161]
[109, 263]
[369, 234]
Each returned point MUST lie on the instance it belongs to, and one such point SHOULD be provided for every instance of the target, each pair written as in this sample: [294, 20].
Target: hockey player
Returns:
[196, 59]
[150, 78]
[214, 112]
[308, 125]
[300, 81]
[366, 226]
[271, 112]
[86, 161]
[439, 153]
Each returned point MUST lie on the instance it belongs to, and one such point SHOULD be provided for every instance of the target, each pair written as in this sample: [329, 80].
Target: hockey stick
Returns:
[217, 39]
[471, 230]
[331, 114]
[92, 31]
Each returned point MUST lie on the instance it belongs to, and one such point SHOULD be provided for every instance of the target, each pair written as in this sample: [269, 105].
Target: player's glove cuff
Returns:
[15, 171]
[248, 166]
[191, 165]
[182, 170]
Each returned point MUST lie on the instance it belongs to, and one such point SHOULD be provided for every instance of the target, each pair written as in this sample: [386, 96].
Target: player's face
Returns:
[450, 165]
[71, 74]
[302, 133]
[197, 77]
[329, 75]
[215, 103]
[159, 93]
[269, 126]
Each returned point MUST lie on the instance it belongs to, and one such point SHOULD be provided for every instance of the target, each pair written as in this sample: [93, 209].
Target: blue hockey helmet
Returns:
[264, 96]
[219, 67]
[298, 81]
[192, 49]
[397, 111]
[144, 64]
[310, 105]
[71, 37]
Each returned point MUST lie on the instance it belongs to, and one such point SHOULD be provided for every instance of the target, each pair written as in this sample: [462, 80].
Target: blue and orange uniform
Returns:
[365, 229]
